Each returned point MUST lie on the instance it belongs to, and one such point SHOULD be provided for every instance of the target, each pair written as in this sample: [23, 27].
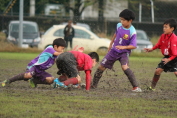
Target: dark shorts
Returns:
[66, 64]
[170, 66]
[38, 74]
[112, 56]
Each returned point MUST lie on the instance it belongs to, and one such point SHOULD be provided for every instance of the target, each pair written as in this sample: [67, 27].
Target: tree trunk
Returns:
[101, 15]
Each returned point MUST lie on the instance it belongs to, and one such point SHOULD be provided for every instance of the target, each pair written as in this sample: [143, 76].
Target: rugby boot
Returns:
[136, 89]
[150, 88]
[32, 83]
[5, 82]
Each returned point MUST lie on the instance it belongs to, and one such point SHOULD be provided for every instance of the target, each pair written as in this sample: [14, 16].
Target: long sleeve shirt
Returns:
[168, 45]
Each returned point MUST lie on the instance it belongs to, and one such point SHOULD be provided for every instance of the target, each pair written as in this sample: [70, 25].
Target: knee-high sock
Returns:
[96, 78]
[17, 77]
[155, 80]
[37, 81]
[131, 77]
[71, 81]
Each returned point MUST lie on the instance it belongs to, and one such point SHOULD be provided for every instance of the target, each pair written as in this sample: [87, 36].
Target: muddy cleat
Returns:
[150, 89]
[32, 84]
[59, 84]
[93, 87]
[83, 85]
[5, 82]
[136, 89]
[55, 83]
[77, 86]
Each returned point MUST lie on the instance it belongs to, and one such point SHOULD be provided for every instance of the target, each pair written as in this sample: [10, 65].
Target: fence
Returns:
[107, 27]
[162, 9]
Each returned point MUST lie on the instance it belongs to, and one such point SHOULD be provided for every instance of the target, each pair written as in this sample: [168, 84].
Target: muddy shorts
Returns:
[170, 66]
[38, 74]
[66, 64]
[112, 56]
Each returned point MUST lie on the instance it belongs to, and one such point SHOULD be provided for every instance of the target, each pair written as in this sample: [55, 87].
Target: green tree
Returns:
[78, 7]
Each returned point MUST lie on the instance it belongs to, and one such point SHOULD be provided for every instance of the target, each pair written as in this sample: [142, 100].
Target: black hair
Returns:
[127, 14]
[59, 42]
[94, 55]
[171, 22]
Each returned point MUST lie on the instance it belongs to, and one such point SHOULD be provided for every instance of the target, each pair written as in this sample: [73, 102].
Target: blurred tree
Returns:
[101, 6]
[77, 6]
[101, 10]
[3, 5]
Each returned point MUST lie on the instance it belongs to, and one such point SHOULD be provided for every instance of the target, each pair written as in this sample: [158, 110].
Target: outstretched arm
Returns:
[88, 79]
[148, 49]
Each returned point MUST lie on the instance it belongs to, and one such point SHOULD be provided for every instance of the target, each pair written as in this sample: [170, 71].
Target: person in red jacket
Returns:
[69, 65]
[168, 46]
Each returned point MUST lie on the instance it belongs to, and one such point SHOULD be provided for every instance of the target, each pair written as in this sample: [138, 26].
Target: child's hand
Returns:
[81, 49]
[165, 60]
[120, 47]
[148, 49]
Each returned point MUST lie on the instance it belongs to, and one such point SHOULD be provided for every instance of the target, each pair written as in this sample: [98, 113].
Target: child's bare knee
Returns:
[158, 71]
[101, 68]
[49, 80]
[27, 75]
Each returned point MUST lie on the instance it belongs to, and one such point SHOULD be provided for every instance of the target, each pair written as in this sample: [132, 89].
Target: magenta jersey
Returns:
[124, 37]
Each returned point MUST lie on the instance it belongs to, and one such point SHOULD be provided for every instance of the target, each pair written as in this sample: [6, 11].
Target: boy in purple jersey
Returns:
[120, 47]
[35, 71]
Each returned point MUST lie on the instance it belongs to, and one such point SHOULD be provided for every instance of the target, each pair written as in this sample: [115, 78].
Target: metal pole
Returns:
[21, 24]
[140, 11]
[32, 7]
[152, 10]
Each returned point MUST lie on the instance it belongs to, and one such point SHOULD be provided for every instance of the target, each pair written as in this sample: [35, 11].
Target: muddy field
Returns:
[113, 85]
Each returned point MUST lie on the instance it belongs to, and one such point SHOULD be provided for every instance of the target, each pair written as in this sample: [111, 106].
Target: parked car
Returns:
[83, 37]
[143, 41]
[31, 35]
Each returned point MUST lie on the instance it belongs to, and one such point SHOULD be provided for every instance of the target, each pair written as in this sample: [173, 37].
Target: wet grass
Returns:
[112, 99]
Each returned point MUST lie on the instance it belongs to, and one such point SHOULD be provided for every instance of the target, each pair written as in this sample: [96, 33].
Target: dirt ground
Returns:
[112, 84]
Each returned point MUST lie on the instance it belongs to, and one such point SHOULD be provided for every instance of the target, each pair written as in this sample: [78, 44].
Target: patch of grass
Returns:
[113, 97]
[19, 56]
[64, 106]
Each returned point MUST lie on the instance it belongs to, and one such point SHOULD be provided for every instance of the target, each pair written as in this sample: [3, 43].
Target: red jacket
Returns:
[168, 45]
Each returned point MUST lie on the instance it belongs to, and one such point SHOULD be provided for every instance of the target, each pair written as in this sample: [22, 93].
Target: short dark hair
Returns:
[59, 42]
[171, 22]
[127, 14]
[94, 55]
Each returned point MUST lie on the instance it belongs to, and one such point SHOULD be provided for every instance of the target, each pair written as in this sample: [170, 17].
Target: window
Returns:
[59, 33]
[81, 34]
[27, 28]
[141, 36]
